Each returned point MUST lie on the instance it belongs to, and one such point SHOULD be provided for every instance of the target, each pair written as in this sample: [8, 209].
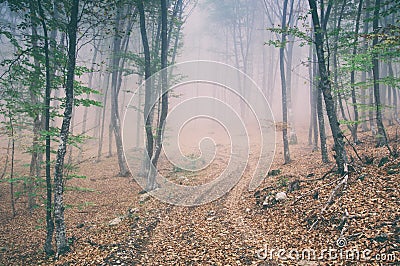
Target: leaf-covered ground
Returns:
[234, 230]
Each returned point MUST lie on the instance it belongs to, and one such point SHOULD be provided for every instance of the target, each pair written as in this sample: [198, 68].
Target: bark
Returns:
[148, 89]
[106, 84]
[72, 28]
[115, 118]
[335, 49]
[49, 211]
[85, 112]
[321, 125]
[364, 124]
[283, 86]
[325, 84]
[394, 91]
[381, 137]
[354, 127]
[320, 114]
[313, 129]
[34, 169]
[164, 91]
[12, 198]
[289, 60]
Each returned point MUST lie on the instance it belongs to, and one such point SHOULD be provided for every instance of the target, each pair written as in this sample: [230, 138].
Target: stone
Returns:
[115, 222]
[280, 196]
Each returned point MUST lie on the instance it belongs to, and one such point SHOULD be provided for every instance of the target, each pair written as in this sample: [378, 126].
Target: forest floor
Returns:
[233, 230]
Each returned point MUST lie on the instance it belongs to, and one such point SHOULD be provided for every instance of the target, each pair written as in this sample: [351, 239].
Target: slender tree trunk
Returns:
[164, 91]
[320, 114]
[364, 105]
[72, 28]
[106, 84]
[115, 119]
[49, 208]
[12, 196]
[321, 126]
[354, 127]
[283, 85]
[394, 115]
[313, 129]
[85, 112]
[325, 84]
[34, 169]
[147, 114]
[381, 137]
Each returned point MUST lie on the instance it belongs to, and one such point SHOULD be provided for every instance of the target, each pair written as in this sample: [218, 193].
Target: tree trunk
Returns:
[12, 167]
[164, 95]
[34, 169]
[106, 84]
[394, 92]
[313, 130]
[283, 85]
[115, 119]
[85, 112]
[381, 137]
[354, 127]
[325, 84]
[147, 114]
[49, 208]
[72, 28]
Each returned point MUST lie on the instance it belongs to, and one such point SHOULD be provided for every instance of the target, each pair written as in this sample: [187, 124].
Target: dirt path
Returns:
[228, 231]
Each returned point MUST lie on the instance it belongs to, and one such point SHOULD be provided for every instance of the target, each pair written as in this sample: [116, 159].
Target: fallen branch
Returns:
[339, 188]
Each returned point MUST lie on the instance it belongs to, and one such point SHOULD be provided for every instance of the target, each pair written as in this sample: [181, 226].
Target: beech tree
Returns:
[325, 86]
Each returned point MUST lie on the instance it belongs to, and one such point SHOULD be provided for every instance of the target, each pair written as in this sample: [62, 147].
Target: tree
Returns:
[283, 85]
[325, 86]
[72, 28]
[381, 137]
[49, 208]
[117, 66]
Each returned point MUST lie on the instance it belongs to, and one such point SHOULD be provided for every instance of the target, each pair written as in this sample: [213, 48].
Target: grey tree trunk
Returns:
[49, 208]
[313, 129]
[34, 169]
[286, 151]
[106, 84]
[72, 28]
[148, 94]
[115, 119]
[381, 137]
[364, 124]
[85, 112]
[354, 127]
[394, 114]
[164, 91]
[325, 84]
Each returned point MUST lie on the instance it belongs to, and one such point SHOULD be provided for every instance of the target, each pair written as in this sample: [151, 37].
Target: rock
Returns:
[116, 221]
[144, 197]
[280, 196]
[248, 210]
[269, 201]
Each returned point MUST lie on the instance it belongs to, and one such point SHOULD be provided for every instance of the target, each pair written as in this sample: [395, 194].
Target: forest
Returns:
[199, 132]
